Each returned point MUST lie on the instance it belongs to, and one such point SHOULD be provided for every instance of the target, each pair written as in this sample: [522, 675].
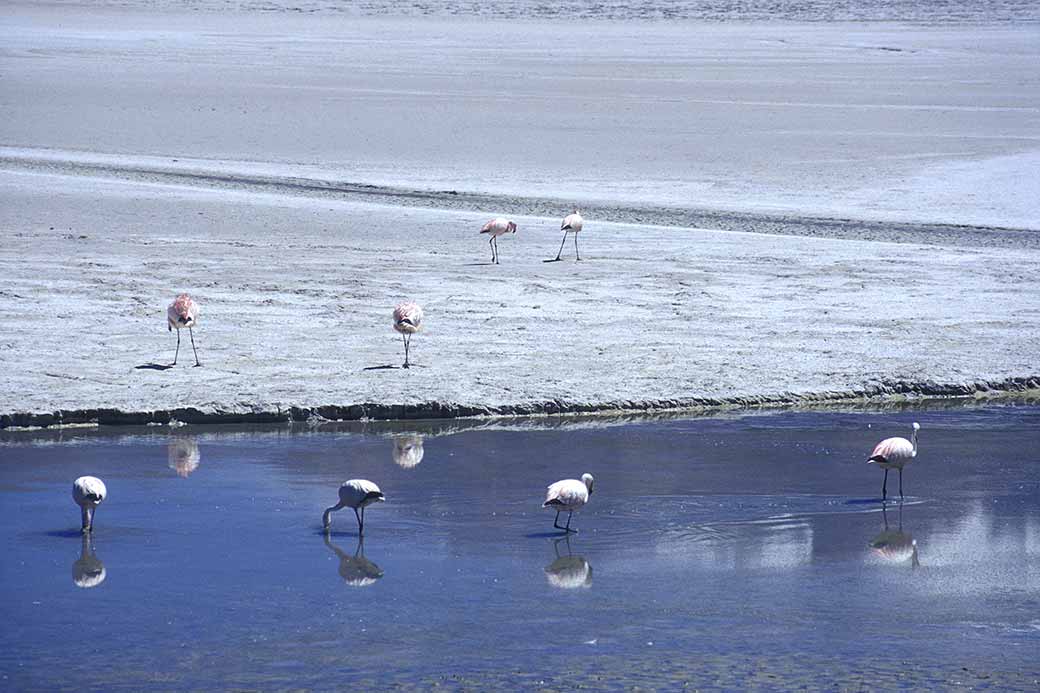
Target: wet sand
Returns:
[735, 552]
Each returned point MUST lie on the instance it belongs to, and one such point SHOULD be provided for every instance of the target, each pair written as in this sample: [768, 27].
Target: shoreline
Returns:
[1018, 389]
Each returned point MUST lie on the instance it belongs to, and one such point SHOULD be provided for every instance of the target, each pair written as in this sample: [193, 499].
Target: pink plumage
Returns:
[495, 228]
[183, 312]
[408, 318]
[894, 453]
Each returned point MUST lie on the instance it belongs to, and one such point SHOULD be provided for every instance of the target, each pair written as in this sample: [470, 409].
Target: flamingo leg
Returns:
[360, 523]
[568, 527]
[562, 244]
[884, 487]
[491, 242]
[576, 255]
[404, 338]
[192, 335]
[85, 516]
[495, 239]
[556, 522]
[900, 484]
[177, 353]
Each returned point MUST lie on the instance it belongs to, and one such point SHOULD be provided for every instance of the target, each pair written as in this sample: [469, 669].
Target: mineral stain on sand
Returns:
[730, 552]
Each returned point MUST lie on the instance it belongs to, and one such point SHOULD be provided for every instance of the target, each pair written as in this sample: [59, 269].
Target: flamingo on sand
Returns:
[356, 494]
[572, 223]
[183, 312]
[88, 492]
[497, 227]
[894, 453]
[407, 320]
[568, 495]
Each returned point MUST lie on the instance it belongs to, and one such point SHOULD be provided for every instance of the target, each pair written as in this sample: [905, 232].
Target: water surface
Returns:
[733, 552]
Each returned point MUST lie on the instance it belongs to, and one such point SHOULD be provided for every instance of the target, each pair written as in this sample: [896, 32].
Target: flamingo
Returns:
[568, 495]
[183, 312]
[894, 453]
[88, 492]
[497, 227]
[572, 223]
[407, 320]
[355, 494]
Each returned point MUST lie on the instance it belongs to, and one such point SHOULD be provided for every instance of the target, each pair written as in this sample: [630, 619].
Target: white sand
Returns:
[297, 285]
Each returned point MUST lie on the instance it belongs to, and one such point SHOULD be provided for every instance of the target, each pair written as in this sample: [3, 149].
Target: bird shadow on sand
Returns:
[390, 367]
[154, 367]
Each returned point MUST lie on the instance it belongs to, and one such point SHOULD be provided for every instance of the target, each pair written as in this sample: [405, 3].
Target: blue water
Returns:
[728, 552]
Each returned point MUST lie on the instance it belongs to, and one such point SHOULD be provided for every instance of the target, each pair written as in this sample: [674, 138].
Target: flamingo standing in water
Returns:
[894, 453]
[356, 494]
[183, 312]
[568, 495]
[88, 492]
[572, 223]
[497, 227]
[407, 320]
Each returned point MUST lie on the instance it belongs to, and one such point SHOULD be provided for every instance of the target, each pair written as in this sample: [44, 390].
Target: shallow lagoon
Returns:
[739, 552]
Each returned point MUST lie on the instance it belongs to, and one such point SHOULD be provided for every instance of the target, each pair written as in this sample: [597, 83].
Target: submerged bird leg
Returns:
[177, 353]
[576, 255]
[192, 335]
[562, 243]
[884, 487]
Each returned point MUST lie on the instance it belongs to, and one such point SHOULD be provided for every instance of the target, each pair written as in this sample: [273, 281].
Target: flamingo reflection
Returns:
[568, 572]
[408, 450]
[356, 570]
[88, 570]
[895, 546]
[183, 455]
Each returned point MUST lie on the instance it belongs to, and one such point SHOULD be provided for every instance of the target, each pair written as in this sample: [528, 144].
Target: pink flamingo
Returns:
[894, 453]
[407, 320]
[567, 496]
[497, 227]
[572, 223]
[183, 312]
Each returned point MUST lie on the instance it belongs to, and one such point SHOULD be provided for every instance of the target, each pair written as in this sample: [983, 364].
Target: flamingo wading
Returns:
[568, 495]
[571, 223]
[356, 494]
[495, 228]
[407, 320]
[894, 453]
[183, 312]
[88, 492]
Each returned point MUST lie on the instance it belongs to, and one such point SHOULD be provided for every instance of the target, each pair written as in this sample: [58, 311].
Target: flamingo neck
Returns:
[913, 439]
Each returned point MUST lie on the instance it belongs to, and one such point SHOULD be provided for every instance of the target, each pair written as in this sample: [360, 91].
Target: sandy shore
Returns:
[297, 293]
[776, 213]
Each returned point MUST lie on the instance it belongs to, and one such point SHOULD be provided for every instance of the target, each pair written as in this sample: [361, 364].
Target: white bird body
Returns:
[894, 453]
[183, 313]
[572, 222]
[408, 317]
[569, 496]
[88, 492]
[356, 494]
